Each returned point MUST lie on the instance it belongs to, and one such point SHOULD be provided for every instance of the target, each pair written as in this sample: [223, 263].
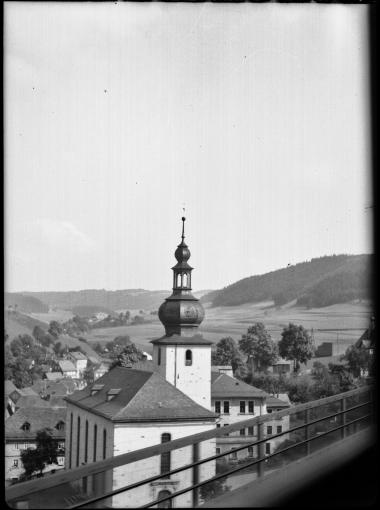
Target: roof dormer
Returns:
[111, 394]
[25, 426]
[96, 388]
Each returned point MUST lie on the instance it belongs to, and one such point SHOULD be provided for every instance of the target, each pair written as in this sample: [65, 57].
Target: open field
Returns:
[346, 323]
[53, 315]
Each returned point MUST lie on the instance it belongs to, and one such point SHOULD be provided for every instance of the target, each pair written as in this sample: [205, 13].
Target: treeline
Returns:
[320, 282]
[21, 303]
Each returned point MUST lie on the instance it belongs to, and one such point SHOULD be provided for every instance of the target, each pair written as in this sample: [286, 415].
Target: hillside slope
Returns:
[320, 282]
[24, 303]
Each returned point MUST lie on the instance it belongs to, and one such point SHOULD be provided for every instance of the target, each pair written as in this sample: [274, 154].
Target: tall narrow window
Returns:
[95, 441]
[226, 407]
[251, 406]
[78, 439]
[189, 358]
[242, 406]
[217, 406]
[267, 448]
[71, 440]
[250, 451]
[250, 431]
[279, 429]
[184, 280]
[86, 443]
[269, 430]
[159, 356]
[164, 504]
[165, 457]
[242, 432]
[104, 443]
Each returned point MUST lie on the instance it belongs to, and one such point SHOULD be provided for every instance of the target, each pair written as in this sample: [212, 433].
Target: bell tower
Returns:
[182, 355]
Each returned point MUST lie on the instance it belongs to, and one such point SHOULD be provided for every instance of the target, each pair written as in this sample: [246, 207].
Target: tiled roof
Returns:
[227, 386]
[144, 396]
[9, 387]
[182, 340]
[78, 355]
[59, 388]
[272, 401]
[30, 401]
[38, 418]
[53, 376]
[67, 366]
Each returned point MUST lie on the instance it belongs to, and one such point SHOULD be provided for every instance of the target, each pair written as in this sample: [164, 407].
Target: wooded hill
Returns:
[322, 281]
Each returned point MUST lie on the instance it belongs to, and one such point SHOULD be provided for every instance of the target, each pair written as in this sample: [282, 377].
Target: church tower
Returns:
[182, 355]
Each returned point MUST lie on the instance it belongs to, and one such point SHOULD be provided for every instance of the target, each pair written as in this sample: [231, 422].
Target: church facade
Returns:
[129, 409]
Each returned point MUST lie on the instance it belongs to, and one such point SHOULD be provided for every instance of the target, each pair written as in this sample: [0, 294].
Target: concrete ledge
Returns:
[274, 488]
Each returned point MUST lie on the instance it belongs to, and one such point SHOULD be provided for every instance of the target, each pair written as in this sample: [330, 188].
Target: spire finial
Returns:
[183, 227]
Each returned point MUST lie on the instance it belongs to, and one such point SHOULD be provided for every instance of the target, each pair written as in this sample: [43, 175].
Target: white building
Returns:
[80, 362]
[129, 409]
[68, 369]
[20, 434]
[280, 424]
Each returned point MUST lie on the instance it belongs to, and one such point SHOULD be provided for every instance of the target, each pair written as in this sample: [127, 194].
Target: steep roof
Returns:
[78, 355]
[38, 418]
[143, 396]
[226, 386]
[59, 388]
[67, 366]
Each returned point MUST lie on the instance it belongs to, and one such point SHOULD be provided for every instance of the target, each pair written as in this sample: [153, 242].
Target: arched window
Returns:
[78, 439]
[184, 280]
[178, 280]
[167, 503]
[71, 439]
[104, 443]
[25, 426]
[60, 425]
[95, 441]
[86, 443]
[165, 457]
[188, 358]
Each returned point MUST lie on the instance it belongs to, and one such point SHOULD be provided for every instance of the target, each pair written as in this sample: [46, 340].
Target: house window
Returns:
[233, 455]
[16, 446]
[267, 448]
[60, 425]
[26, 426]
[269, 430]
[104, 443]
[95, 441]
[218, 425]
[279, 429]
[242, 406]
[217, 406]
[165, 457]
[86, 443]
[250, 451]
[250, 431]
[189, 358]
[78, 440]
[217, 451]
[251, 406]
[15, 462]
[269, 411]
[159, 356]
[164, 504]
[242, 432]
[226, 407]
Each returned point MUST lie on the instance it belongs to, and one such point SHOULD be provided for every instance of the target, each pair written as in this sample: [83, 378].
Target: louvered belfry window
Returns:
[165, 457]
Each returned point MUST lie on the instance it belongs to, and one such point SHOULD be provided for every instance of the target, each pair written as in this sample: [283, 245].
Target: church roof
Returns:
[223, 385]
[182, 340]
[144, 397]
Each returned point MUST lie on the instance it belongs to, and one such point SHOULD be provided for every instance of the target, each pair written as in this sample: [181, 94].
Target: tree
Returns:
[55, 329]
[45, 453]
[227, 353]
[57, 348]
[296, 345]
[357, 360]
[258, 344]
[98, 348]
[88, 374]
[129, 354]
[38, 333]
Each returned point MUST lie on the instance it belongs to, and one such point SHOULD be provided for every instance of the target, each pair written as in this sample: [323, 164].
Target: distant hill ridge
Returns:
[322, 281]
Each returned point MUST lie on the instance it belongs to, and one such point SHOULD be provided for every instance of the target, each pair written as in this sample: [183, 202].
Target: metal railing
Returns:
[302, 417]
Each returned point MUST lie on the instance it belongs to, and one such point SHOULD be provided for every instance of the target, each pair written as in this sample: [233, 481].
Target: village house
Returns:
[20, 431]
[79, 360]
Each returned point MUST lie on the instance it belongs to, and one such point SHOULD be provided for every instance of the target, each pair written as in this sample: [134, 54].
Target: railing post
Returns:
[307, 431]
[260, 435]
[343, 408]
[195, 474]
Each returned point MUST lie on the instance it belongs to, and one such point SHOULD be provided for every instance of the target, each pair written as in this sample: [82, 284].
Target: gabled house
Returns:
[68, 369]
[20, 432]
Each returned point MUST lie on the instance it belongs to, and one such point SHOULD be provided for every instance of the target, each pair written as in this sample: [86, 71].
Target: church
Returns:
[128, 409]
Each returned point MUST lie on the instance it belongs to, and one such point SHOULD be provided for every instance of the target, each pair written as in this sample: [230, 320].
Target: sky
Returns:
[252, 117]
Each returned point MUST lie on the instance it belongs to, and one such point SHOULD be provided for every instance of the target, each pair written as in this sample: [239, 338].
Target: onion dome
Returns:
[181, 313]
